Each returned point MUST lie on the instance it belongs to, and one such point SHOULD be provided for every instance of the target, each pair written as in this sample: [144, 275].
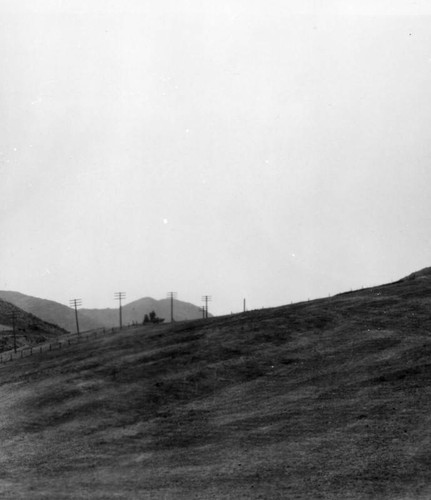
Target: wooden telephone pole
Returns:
[75, 303]
[120, 296]
[14, 317]
[172, 295]
[206, 299]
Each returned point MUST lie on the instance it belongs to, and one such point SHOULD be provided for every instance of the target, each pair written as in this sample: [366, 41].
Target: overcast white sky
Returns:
[274, 150]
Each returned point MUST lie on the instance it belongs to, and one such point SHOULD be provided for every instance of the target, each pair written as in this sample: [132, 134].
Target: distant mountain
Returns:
[50, 311]
[29, 329]
[106, 318]
[89, 319]
[182, 310]
[134, 312]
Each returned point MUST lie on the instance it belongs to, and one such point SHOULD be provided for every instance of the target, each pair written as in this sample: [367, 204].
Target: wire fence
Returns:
[57, 344]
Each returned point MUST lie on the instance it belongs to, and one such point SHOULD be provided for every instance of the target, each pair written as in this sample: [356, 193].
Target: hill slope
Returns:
[328, 399]
[29, 329]
[89, 319]
[49, 311]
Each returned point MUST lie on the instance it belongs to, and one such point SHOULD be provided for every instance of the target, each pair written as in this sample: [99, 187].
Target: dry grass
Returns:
[329, 399]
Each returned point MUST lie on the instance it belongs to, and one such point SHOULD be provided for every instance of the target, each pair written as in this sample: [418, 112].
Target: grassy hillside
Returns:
[328, 399]
[50, 311]
[29, 329]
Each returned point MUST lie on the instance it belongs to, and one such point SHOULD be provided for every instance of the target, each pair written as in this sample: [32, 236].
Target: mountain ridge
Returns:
[92, 318]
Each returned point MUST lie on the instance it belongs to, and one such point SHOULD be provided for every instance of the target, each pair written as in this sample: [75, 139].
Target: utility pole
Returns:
[119, 296]
[206, 299]
[172, 295]
[14, 318]
[75, 303]
[244, 306]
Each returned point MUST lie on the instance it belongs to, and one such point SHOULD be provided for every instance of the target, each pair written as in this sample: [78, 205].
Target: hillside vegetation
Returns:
[50, 311]
[29, 329]
[328, 399]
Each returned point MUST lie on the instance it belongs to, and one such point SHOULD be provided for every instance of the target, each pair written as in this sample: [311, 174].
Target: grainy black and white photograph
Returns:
[215, 249]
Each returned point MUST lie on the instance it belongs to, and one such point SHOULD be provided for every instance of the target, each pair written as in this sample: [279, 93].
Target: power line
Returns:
[206, 299]
[172, 295]
[120, 296]
[75, 303]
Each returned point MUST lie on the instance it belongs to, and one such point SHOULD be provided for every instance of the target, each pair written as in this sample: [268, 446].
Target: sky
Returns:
[273, 151]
